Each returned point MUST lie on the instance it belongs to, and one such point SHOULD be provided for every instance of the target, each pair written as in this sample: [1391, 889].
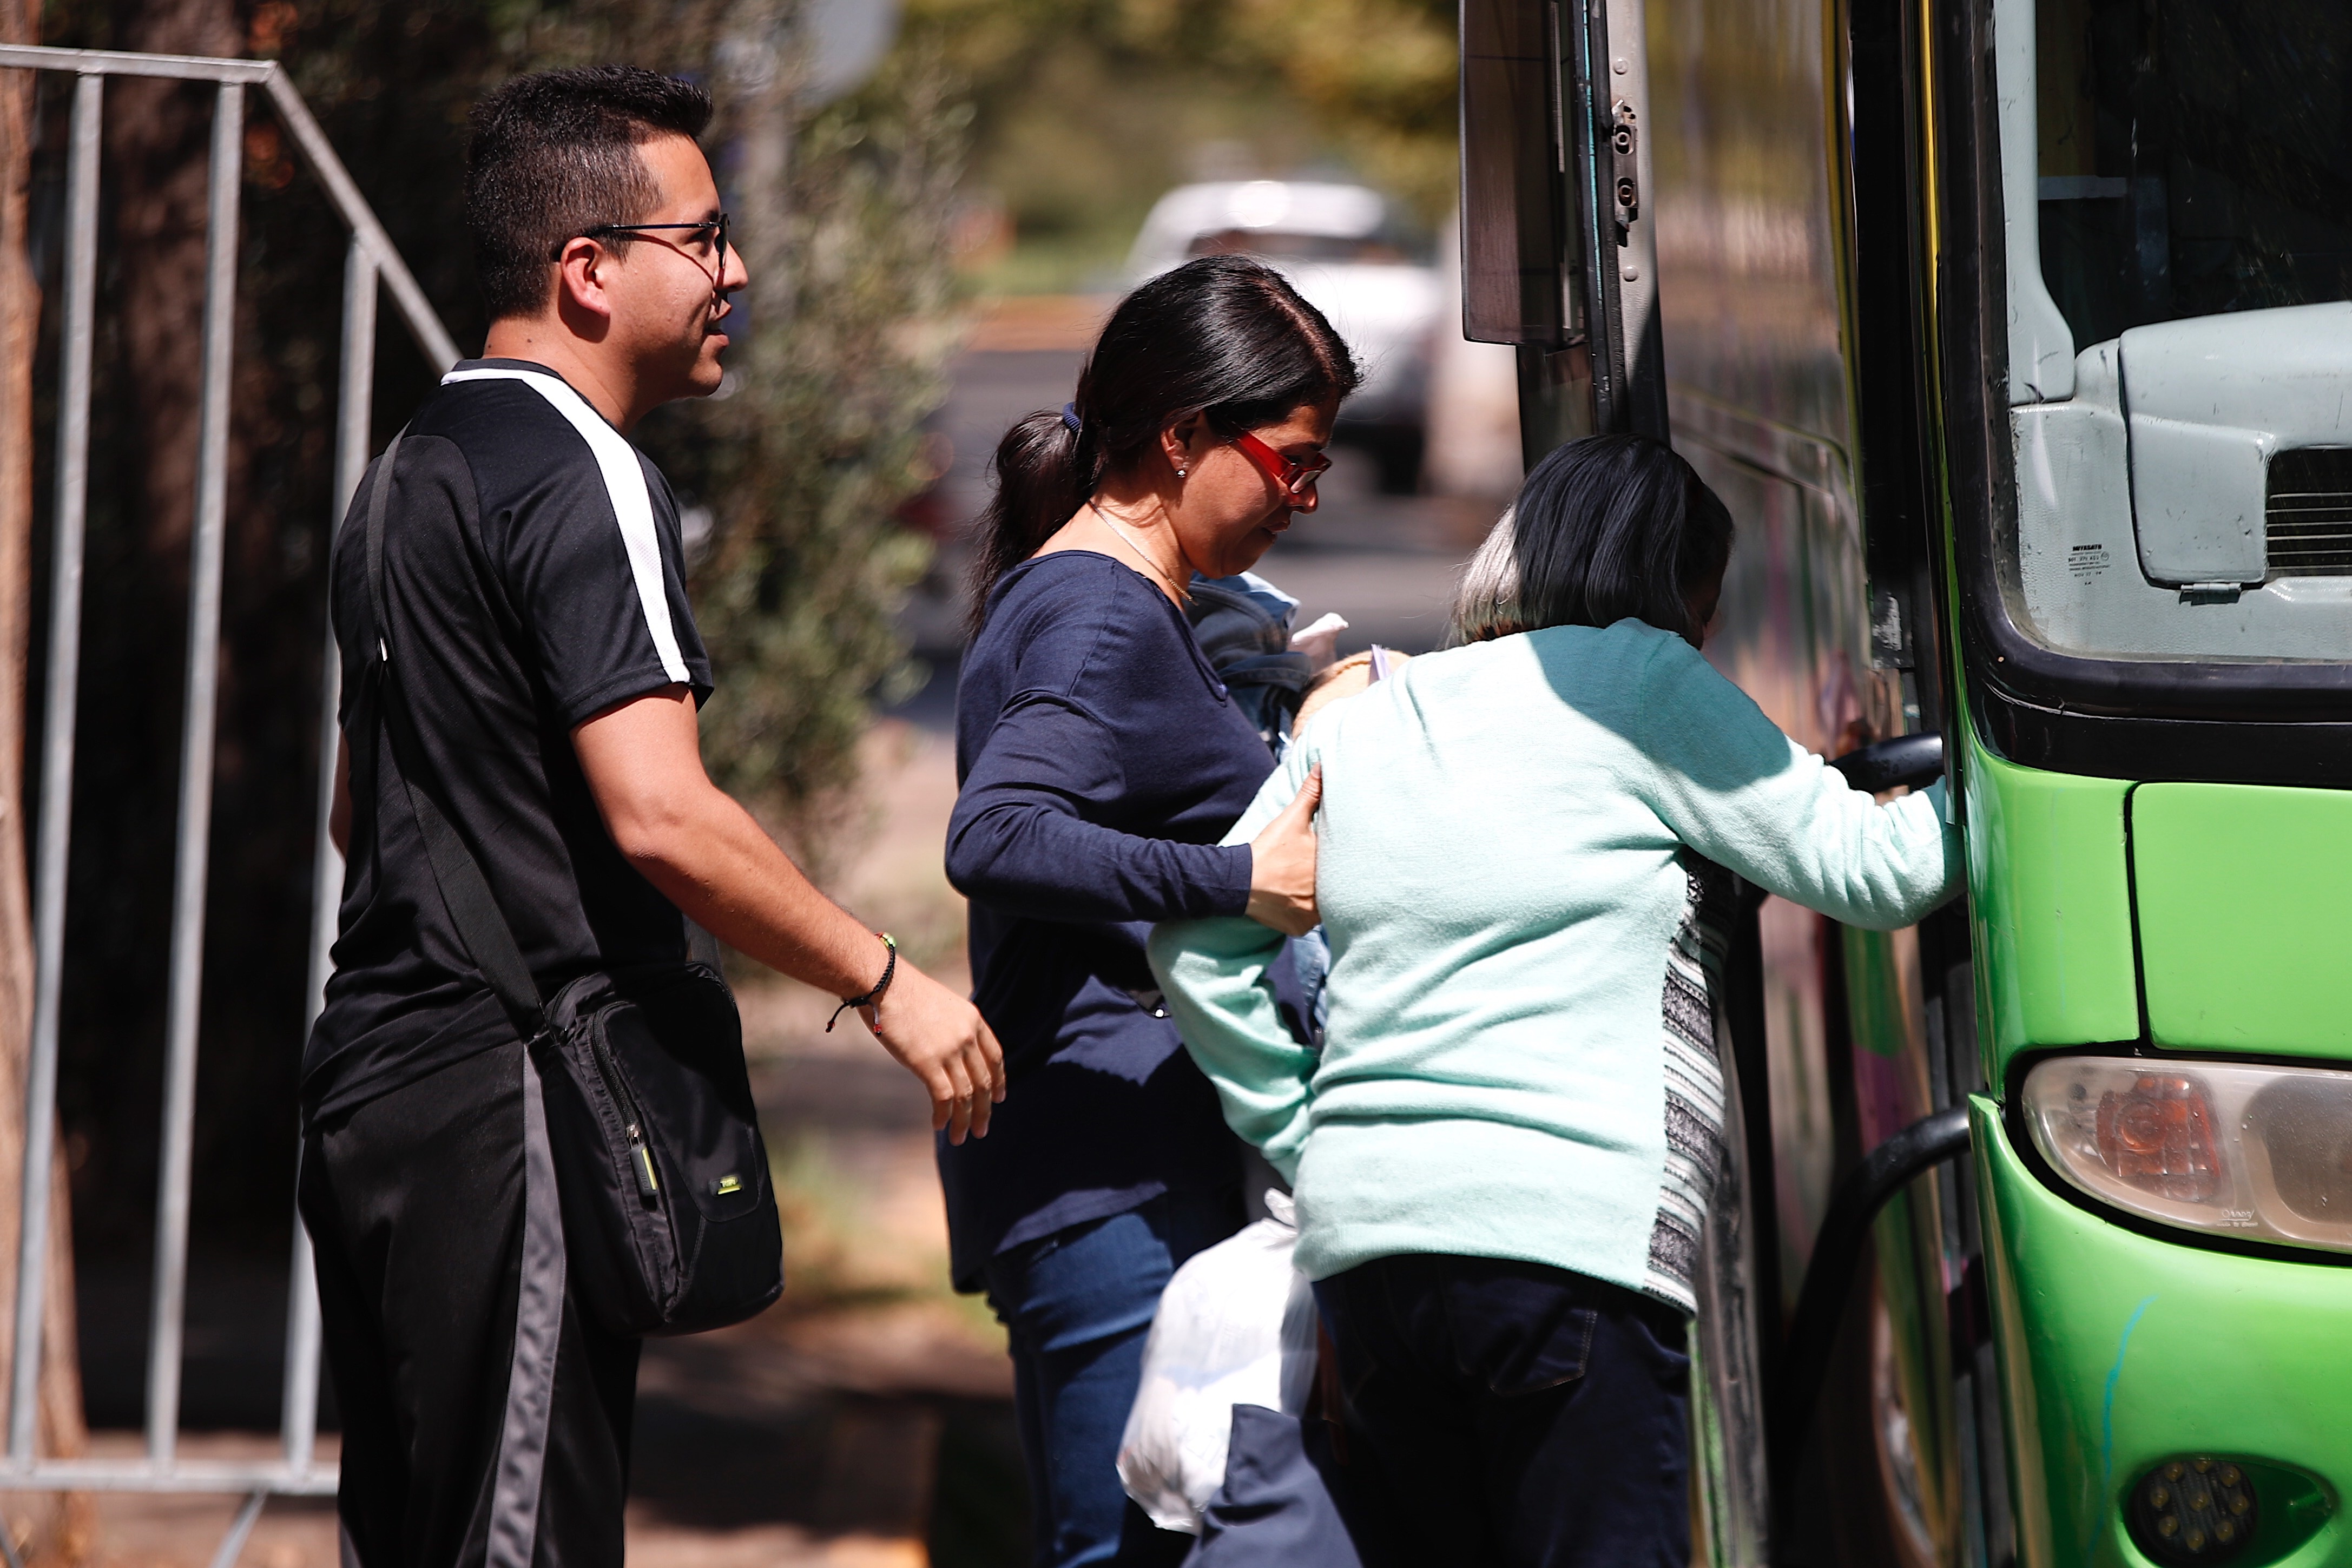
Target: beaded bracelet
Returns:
[872, 998]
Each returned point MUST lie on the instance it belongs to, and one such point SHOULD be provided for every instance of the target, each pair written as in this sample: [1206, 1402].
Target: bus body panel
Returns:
[1751, 239]
[2245, 916]
[2120, 1351]
[2050, 897]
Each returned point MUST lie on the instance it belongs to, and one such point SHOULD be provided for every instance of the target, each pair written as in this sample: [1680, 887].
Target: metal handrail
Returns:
[371, 259]
[416, 311]
[1829, 1277]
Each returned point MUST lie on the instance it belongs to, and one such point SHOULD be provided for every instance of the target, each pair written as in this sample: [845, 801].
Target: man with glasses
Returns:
[534, 583]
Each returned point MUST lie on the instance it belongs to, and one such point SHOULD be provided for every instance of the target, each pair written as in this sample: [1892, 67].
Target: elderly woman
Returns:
[1503, 1154]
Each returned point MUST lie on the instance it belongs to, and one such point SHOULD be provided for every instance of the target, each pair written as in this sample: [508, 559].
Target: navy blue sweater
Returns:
[1100, 760]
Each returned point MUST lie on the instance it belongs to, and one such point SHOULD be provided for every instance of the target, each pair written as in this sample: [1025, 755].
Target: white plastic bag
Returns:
[1236, 1326]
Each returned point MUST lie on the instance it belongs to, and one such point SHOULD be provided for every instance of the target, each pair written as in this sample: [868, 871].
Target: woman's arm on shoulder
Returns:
[1214, 975]
[1730, 784]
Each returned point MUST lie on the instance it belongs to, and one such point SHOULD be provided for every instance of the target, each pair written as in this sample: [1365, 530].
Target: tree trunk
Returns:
[158, 134]
[57, 1529]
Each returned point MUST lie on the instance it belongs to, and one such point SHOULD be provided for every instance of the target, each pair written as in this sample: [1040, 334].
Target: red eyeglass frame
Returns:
[1293, 478]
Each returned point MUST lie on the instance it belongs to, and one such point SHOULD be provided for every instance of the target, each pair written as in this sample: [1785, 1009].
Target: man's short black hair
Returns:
[556, 153]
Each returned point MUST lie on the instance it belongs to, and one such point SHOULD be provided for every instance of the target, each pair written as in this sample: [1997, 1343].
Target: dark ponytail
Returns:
[1223, 335]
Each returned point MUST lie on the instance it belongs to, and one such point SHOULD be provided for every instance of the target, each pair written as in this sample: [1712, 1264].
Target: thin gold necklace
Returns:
[1130, 540]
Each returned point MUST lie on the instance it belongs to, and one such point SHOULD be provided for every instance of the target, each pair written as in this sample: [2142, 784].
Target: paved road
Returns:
[1386, 562]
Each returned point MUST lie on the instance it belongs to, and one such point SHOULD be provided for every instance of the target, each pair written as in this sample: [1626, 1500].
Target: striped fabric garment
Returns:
[1695, 1100]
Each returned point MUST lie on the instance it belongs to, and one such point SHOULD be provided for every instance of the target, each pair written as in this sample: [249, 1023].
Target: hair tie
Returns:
[1070, 417]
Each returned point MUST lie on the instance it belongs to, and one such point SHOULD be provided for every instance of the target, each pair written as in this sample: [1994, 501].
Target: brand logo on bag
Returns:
[727, 1185]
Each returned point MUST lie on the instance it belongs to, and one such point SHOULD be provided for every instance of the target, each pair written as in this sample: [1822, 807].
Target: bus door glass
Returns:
[1558, 250]
[2176, 179]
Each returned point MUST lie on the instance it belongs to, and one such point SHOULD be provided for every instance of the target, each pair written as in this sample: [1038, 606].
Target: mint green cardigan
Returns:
[1508, 882]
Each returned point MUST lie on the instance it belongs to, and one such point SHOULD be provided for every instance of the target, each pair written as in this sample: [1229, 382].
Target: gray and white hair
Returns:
[1486, 599]
[1606, 528]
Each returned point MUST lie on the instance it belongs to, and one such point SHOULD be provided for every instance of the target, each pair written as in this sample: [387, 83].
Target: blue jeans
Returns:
[1076, 1306]
[1503, 1415]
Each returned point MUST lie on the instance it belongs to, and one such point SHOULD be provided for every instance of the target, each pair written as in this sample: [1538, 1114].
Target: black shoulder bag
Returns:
[669, 1222]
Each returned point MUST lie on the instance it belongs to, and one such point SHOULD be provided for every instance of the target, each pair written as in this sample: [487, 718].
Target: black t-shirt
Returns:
[533, 575]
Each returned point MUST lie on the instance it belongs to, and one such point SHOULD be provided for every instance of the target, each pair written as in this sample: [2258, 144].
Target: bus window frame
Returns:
[2218, 722]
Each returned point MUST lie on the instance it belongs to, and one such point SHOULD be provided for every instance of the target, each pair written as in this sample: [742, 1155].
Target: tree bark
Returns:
[57, 1529]
[157, 137]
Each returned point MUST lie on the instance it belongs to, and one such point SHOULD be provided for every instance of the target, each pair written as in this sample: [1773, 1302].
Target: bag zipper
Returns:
[641, 1159]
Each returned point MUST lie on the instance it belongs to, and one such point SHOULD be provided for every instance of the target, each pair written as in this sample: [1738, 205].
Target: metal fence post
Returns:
[56, 829]
[353, 411]
[433, 340]
[205, 550]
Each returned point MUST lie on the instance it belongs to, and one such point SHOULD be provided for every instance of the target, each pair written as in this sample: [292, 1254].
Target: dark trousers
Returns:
[1502, 1415]
[1077, 1306]
[415, 1202]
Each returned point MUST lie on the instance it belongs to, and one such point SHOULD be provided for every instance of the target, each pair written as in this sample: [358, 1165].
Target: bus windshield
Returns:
[2178, 179]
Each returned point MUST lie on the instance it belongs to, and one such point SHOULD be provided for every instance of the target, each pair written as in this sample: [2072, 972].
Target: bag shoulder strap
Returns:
[489, 940]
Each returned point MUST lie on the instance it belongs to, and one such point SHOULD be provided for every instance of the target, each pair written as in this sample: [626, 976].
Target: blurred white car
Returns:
[1337, 245]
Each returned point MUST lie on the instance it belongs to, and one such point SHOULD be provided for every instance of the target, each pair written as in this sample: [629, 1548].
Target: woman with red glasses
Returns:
[1100, 762]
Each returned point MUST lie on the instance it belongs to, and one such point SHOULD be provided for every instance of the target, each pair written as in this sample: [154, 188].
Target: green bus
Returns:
[2017, 335]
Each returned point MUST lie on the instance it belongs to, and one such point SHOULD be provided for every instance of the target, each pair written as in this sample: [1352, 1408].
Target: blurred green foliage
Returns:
[818, 439]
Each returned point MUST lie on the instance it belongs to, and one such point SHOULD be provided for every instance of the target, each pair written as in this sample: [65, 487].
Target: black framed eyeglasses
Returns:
[718, 239]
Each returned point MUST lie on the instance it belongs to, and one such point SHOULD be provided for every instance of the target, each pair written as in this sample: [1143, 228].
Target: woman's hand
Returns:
[1282, 864]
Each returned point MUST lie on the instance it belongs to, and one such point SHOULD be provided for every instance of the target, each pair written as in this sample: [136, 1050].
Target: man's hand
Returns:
[643, 761]
[1282, 864]
[938, 1036]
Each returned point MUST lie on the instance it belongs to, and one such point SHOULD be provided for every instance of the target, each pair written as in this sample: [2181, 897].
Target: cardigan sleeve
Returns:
[1216, 976]
[1727, 782]
[1021, 840]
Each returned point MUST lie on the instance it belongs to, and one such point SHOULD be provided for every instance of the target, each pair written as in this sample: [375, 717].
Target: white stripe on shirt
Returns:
[625, 484]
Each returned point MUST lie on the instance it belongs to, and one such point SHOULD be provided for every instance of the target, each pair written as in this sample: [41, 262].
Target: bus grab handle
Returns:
[1913, 760]
[1829, 1277]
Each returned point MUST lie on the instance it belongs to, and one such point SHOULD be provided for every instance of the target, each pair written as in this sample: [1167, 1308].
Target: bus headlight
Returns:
[2262, 1153]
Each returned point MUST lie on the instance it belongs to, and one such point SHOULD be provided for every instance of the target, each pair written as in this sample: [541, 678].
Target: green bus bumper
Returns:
[2119, 1352]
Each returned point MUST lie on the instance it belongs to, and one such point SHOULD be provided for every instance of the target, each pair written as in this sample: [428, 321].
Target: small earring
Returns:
[1179, 473]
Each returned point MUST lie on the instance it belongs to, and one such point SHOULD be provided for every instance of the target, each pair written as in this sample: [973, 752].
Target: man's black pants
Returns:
[417, 1203]
[1504, 1415]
